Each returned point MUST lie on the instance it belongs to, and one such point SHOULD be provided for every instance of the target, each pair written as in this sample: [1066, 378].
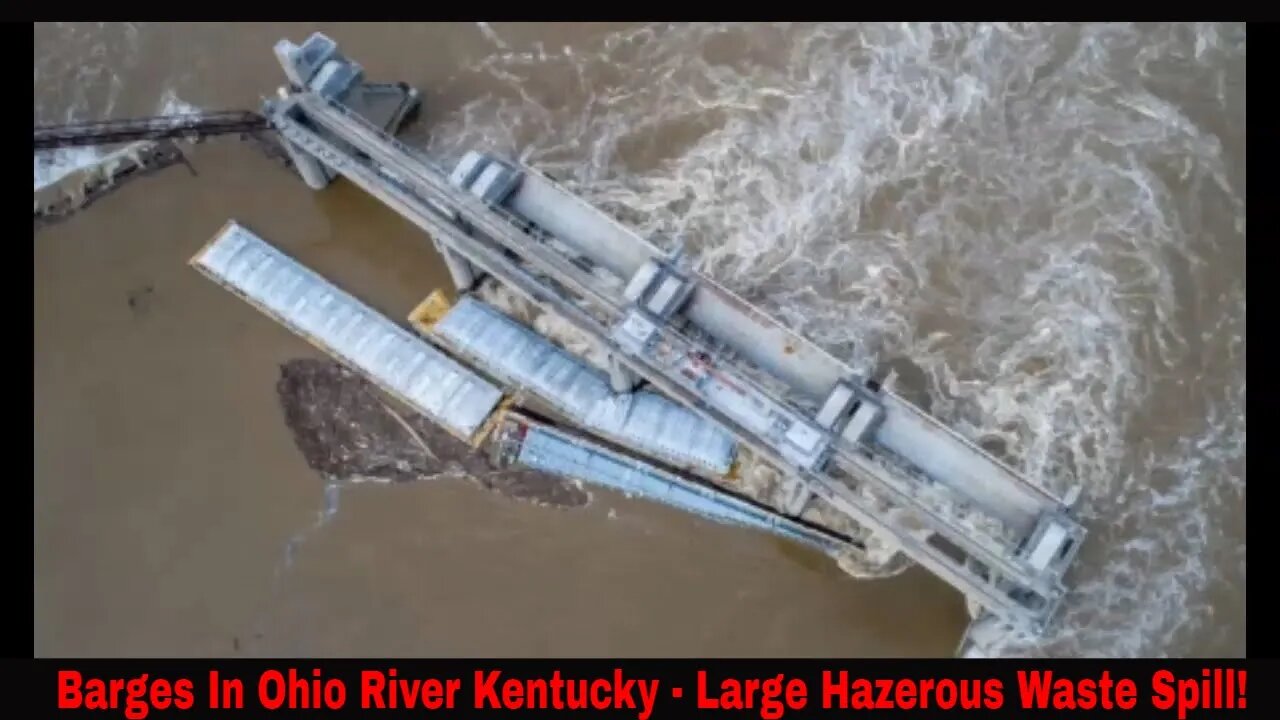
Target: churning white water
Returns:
[1041, 226]
[1043, 219]
[53, 165]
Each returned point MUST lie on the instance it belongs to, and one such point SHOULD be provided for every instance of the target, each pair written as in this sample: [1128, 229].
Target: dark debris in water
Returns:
[349, 432]
[81, 188]
[140, 299]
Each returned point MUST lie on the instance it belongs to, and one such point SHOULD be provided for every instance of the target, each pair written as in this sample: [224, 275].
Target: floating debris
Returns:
[80, 188]
[348, 432]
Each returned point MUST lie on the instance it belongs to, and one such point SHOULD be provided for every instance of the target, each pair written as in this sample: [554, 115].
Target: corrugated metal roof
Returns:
[560, 453]
[520, 356]
[368, 342]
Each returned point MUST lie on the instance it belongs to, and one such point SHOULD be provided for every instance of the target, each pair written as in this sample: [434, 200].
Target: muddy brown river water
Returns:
[1042, 224]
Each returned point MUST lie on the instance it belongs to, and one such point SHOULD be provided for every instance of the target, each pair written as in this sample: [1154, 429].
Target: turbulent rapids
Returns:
[1039, 228]
[1050, 244]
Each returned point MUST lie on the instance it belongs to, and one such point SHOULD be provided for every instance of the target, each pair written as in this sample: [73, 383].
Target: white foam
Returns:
[1036, 216]
[53, 165]
[489, 34]
[171, 104]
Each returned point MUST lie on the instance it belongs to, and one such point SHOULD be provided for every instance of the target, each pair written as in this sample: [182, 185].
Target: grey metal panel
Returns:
[495, 183]
[580, 225]
[336, 78]
[517, 355]
[641, 281]
[467, 169]
[836, 405]
[346, 328]
[301, 63]
[664, 295]
[862, 421]
[555, 452]
[1049, 543]
[950, 459]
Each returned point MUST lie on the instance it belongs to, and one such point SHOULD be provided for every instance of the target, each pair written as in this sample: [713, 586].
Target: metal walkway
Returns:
[109, 132]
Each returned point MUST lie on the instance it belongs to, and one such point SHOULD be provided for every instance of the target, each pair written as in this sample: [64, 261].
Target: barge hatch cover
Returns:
[400, 363]
[648, 422]
[555, 451]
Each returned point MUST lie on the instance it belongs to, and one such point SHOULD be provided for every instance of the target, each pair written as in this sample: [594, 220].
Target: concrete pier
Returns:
[311, 170]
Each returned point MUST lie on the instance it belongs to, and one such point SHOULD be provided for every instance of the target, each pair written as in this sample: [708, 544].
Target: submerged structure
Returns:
[694, 380]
